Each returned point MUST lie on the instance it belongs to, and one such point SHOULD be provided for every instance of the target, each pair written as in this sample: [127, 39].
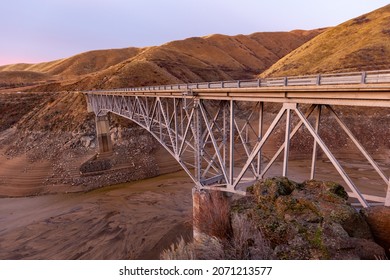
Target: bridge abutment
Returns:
[103, 134]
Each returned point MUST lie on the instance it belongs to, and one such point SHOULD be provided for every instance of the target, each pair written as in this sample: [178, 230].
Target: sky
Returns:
[43, 30]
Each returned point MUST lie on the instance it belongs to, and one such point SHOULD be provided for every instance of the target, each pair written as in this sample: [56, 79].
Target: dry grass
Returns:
[359, 44]
[213, 218]
[208, 248]
[223, 235]
[247, 242]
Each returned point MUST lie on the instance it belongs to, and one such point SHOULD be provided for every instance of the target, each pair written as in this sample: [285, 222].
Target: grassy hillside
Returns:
[214, 57]
[11, 79]
[359, 44]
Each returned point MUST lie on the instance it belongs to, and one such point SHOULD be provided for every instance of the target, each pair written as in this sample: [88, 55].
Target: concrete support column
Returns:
[103, 134]
[198, 198]
[89, 104]
[387, 199]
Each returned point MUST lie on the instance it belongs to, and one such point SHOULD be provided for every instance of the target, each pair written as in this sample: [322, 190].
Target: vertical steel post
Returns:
[259, 137]
[224, 131]
[159, 117]
[314, 156]
[231, 144]
[175, 106]
[198, 141]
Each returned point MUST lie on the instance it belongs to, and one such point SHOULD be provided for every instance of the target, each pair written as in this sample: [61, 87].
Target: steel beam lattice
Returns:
[218, 135]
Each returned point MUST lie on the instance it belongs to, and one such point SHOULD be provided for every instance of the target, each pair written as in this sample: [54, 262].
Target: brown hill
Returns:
[359, 44]
[81, 64]
[9, 79]
[215, 57]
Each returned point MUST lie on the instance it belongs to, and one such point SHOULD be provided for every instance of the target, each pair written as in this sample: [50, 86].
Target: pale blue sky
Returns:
[44, 30]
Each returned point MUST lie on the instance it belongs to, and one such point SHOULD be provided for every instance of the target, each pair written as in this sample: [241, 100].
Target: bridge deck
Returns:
[352, 95]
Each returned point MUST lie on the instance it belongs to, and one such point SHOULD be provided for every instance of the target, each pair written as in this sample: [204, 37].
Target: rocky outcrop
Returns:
[311, 220]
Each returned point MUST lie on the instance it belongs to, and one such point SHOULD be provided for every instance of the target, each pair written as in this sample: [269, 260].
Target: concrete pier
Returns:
[103, 134]
[198, 198]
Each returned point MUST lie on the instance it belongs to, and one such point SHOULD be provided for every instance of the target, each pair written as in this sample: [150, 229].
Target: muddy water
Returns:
[128, 221]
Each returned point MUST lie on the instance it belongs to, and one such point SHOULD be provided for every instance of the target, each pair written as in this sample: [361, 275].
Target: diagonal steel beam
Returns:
[258, 146]
[211, 135]
[287, 142]
[358, 144]
[243, 142]
[334, 161]
[281, 148]
[314, 155]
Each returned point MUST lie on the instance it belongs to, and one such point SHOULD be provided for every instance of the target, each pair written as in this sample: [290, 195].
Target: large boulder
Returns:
[312, 220]
[378, 218]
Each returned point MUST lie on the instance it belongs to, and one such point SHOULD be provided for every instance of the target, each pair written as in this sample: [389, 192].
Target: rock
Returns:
[367, 250]
[86, 140]
[378, 219]
[311, 220]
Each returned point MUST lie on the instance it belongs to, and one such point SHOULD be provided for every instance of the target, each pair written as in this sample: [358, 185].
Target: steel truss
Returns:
[219, 143]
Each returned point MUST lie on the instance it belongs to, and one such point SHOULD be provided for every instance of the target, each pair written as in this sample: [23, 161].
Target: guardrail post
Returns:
[364, 76]
[222, 84]
[318, 81]
[258, 83]
[238, 84]
[285, 81]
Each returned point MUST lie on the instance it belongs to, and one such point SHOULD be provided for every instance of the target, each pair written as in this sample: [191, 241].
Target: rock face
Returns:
[378, 218]
[312, 220]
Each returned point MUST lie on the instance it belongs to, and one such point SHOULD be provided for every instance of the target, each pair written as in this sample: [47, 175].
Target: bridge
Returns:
[217, 131]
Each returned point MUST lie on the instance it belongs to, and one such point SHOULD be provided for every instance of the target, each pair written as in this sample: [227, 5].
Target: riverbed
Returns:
[129, 221]
[135, 220]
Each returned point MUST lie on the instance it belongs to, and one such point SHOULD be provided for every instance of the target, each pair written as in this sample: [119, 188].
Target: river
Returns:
[135, 220]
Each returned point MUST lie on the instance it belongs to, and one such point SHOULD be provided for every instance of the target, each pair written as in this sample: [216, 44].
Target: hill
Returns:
[360, 44]
[214, 57]
[81, 64]
[11, 79]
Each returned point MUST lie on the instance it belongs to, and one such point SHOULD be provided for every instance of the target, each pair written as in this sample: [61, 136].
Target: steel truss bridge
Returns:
[216, 131]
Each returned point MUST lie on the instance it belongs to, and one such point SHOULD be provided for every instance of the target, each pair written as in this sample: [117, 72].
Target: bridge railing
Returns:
[369, 77]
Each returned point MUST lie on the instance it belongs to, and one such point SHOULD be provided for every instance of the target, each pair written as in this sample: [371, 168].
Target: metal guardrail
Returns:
[369, 77]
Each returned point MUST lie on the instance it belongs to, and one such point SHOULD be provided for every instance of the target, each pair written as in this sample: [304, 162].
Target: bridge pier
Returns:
[103, 134]
[198, 198]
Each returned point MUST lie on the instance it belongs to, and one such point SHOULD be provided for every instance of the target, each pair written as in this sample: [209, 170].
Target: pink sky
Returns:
[43, 30]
